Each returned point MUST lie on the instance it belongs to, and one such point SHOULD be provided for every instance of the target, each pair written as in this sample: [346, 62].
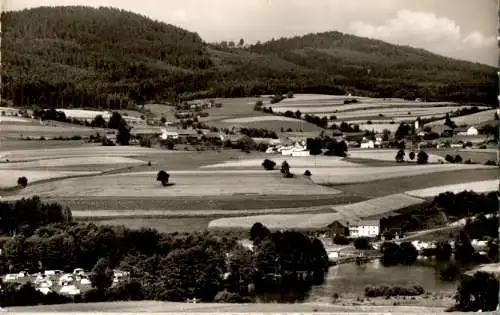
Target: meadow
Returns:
[479, 187]
[472, 119]
[388, 155]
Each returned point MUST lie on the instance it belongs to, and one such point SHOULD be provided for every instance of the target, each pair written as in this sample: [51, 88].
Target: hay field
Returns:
[293, 161]
[378, 206]
[8, 178]
[257, 119]
[479, 187]
[351, 175]
[193, 183]
[278, 221]
[214, 308]
[71, 161]
[80, 151]
[472, 119]
[388, 155]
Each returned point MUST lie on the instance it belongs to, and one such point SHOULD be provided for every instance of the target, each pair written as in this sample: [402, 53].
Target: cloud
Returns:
[426, 30]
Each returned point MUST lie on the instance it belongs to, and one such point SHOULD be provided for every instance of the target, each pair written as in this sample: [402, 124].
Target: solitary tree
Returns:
[458, 159]
[422, 157]
[102, 275]
[285, 169]
[22, 181]
[479, 292]
[412, 155]
[163, 177]
[400, 156]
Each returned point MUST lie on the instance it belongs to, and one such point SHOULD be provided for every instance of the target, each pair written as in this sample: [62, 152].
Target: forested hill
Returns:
[81, 56]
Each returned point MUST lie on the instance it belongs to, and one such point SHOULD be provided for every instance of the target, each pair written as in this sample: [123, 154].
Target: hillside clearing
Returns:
[478, 187]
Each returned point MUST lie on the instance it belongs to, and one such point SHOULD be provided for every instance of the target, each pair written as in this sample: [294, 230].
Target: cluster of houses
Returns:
[295, 149]
[60, 282]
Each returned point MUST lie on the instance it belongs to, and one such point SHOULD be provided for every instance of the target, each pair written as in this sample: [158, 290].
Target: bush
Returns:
[22, 181]
[230, 297]
[362, 243]
[458, 159]
[145, 142]
[490, 162]
[383, 290]
[412, 155]
[107, 142]
[340, 240]
[422, 157]
[409, 253]
[307, 173]
[479, 292]
[449, 158]
[76, 137]
[163, 177]
[468, 161]
[268, 164]
[400, 156]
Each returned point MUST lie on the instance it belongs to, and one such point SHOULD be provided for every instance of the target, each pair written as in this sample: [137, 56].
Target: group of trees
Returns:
[333, 147]
[422, 156]
[394, 254]
[163, 266]
[117, 122]
[258, 133]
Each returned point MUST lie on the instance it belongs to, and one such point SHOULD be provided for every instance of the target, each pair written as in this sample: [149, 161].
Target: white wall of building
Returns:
[363, 230]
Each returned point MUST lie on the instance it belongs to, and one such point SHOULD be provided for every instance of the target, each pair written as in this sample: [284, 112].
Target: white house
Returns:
[166, 134]
[367, 144]
[472, 131]
[364, 228]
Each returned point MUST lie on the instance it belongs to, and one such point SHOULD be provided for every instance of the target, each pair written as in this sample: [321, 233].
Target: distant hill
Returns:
[81, 56]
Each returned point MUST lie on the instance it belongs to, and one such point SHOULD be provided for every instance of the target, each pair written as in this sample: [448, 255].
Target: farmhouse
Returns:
[367, 144]
[169, 134]
[471, 131]
[364, 228]
[141, 132]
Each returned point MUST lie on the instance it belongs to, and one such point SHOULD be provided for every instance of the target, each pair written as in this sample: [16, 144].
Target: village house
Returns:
[169, 134]
[367, 144]
[364, 228]
[471, 131]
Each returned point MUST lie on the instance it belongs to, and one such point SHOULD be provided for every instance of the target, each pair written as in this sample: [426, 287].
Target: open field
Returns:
[351, 175]
[472, 119]
[293, 161]
[476, 156]
[387, 155]
[478, 187]
[378, 206]
[23, 130]
[18, 144]
[257, 119]
[157, 306]
[14, 119]
[80, 151]
[195, 183]
[214, 203]
[402, 184]
[278, 221]
[71, 161]
[8, 178]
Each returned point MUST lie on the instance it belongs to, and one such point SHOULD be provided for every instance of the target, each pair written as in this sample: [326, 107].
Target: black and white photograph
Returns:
[249, 156]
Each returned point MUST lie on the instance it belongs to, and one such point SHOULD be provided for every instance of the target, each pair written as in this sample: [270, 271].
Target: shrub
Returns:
[383, 290]
[458, 159]
[230, 297]
[412, 155]
[107, 142]
[422, 157]
[76, 137]
[468, 161]
[285, 169]
[163, 177]
[479, 292]
[362, 243]
[145, 142]
[268, 164]
[449, 158]
[408, 253]
[307, 173]
[400, 156]
[22, 181]
[490, 162]
[340, 240]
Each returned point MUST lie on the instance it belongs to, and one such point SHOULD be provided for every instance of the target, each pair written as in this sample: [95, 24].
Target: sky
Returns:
[463, 29]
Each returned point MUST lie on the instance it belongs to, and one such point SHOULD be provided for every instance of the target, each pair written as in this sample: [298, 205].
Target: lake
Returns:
[352, 279]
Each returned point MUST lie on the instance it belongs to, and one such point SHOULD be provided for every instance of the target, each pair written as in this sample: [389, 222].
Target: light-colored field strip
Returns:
[352, 175]
[472, 119]
[478, 187]
[388, 155]
[84, 114]
[8, 178]
[83, 151]
[278, 221]
[398, 112]
[293, 161]
[184, 213]
[257, 119]
[14, 119]
[71, 161]
[379, 128]
[378, 206]
[204, 184]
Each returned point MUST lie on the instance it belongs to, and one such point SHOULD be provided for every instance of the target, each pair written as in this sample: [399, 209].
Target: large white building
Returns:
[364, 228]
